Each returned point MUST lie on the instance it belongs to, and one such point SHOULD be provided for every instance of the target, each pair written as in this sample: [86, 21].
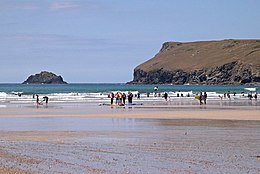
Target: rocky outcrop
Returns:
[44, 78]
[226, 62]
[229, 74]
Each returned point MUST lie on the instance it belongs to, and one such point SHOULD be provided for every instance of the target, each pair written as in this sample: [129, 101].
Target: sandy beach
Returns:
[83, 138]
[230, 111]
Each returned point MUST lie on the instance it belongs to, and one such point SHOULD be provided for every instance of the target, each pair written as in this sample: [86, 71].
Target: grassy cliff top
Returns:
[190, 56]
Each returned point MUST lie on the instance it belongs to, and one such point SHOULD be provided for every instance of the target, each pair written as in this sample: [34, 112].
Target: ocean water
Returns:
[99, 92]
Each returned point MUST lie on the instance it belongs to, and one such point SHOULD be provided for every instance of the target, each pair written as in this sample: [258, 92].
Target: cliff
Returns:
[209, 62]
[44, 78]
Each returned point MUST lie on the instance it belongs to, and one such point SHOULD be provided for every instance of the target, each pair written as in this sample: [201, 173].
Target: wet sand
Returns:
[146, 111]
[142, 139]
[169, 146]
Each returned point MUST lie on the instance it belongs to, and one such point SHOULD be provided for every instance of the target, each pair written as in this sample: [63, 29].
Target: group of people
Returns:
[45, 98]
[121, 98]
[250, 95]
[203, 98]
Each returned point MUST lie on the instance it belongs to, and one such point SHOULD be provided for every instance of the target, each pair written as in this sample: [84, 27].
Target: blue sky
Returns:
[104, 40]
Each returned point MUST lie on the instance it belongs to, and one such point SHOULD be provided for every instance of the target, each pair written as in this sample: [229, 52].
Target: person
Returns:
[255, 95]
[155, 91]
[112, 97]
[46, 99]
[120, 96]
[200, 97]
[130, 98]
[228, 95]
[37, 99]
[124, 97]
[117, 98]
[148, 94]
[205, 98]
[138, 95]
[166, 96]
[250, 96]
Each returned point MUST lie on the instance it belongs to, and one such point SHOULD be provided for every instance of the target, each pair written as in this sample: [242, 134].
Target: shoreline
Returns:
[184, 111]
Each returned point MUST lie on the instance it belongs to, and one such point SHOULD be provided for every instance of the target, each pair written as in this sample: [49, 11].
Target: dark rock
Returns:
[230, 73]
[44, 78]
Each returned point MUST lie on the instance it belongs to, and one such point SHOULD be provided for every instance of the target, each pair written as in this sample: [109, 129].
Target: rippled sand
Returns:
[173, 146]
[165, 139]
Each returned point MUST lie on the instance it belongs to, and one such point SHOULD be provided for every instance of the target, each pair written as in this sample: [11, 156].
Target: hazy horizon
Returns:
[99, 41]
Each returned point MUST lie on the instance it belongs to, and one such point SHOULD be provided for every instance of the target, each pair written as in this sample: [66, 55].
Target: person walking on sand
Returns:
[205, 97]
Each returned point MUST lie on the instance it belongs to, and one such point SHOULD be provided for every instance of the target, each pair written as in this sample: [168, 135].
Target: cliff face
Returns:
[44, 78]
[211, 62]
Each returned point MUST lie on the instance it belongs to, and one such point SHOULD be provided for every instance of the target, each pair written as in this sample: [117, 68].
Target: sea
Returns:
[99, 91]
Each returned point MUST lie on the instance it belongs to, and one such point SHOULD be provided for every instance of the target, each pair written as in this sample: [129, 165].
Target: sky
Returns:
[102, 41]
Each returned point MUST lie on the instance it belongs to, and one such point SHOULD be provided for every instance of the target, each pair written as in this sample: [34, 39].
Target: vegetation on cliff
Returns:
[44, 78]
[210, 62]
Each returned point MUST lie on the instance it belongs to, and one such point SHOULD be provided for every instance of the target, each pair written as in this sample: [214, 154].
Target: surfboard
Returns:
[197, 97]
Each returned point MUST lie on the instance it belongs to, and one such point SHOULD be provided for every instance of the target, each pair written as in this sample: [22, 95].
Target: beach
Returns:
[150, 138]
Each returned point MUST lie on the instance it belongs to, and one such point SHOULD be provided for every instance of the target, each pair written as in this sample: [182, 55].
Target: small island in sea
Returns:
[44, 78]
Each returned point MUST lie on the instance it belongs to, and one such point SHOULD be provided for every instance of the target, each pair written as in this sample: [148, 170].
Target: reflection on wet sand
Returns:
[135, 146]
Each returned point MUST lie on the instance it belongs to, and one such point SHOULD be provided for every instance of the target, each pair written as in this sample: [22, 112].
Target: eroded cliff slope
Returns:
[208, 62]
